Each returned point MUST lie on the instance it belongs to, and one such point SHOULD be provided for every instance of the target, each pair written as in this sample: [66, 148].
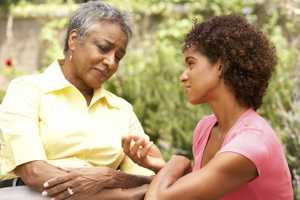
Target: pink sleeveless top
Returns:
[252, 137]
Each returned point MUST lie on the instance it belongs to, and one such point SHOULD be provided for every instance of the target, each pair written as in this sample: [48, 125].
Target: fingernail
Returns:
[44, 193]
[46, 184]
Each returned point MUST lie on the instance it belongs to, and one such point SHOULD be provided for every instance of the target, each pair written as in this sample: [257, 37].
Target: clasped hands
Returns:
[79, 183]
[86, 183]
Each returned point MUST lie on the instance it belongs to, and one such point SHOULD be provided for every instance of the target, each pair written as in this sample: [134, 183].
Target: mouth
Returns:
[103, 72]
[187, 86]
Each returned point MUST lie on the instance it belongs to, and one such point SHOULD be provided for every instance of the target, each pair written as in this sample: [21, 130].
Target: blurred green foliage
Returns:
[148, 77]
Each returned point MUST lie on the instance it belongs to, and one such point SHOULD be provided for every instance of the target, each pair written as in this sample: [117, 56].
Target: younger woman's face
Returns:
[200, 77]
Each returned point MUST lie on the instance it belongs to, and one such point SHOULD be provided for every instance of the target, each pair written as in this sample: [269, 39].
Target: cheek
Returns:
[204, 84]
[94, 58]
[113, 71]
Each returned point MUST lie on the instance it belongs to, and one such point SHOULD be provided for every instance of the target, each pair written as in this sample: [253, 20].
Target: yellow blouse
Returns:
[44, 117]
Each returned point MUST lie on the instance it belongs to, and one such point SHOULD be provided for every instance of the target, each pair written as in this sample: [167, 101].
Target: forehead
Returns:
[191, 51]
[107, 30]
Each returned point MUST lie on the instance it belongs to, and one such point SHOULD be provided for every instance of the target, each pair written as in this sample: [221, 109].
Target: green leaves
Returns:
[148, 77]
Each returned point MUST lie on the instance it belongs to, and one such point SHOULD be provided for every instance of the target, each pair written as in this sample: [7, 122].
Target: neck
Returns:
[227, 111]
[68, 70]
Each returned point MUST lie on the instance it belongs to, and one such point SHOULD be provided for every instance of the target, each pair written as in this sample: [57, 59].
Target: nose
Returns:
[109, 60]
[183, 77]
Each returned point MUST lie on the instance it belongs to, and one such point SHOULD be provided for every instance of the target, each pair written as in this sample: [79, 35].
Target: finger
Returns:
[139, 144]
[60, 188]
[137, 137]
[123, 140]
[145, 151]
[54, 191]
[58, 180]
[126, 146]
[126, 141]
[66, 194]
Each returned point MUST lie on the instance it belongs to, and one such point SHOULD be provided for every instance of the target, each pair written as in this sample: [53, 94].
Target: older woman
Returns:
[63, 123]
[237, 154]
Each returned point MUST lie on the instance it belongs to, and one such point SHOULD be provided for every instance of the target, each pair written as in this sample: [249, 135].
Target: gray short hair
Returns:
[95, 11]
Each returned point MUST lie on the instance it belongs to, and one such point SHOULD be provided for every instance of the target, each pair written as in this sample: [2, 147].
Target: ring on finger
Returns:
[70, 191]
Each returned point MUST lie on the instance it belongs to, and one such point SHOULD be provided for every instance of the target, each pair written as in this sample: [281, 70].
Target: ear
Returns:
[220, 66]
[73, 39]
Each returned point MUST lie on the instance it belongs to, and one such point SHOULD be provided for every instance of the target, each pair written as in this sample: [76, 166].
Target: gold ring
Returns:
[70, 191]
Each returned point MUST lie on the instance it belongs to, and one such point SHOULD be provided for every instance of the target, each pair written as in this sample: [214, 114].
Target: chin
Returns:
[196, 101]
[95, 85]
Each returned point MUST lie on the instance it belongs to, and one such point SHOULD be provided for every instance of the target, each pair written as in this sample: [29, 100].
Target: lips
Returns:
[103, 72]
[187, 88]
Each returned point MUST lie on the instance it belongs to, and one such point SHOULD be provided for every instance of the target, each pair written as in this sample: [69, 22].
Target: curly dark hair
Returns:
[248, 58]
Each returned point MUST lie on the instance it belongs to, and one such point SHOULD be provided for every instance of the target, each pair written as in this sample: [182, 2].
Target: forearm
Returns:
[35, 173]
[124, 180]
[172, 172]
[174, 169]
[137, 193]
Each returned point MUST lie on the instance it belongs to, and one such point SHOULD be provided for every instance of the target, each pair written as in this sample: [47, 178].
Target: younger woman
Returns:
[237, 155]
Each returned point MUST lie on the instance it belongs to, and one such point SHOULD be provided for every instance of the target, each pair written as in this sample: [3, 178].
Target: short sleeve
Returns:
[19, 118]
[251, 145]
[127, 165]
[135, 127]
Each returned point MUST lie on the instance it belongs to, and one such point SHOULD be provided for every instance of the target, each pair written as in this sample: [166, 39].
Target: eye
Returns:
[104, 48]
[190, 64]
[119, 56]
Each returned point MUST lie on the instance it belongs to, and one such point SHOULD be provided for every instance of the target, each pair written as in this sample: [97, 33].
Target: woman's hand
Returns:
[35, 173]
[137, 193]
[177, 167]
[143, 152]
[79, 182]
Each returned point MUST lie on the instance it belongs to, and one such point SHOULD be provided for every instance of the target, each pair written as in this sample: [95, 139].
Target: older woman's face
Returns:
[97, 56]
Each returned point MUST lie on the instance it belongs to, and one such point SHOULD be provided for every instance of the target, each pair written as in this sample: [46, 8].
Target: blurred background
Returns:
[32, 34]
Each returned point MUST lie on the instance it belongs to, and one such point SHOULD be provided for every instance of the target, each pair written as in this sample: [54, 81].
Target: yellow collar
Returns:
[54, 80]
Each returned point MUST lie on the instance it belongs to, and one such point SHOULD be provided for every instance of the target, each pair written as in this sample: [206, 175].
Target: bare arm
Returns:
[113, 194]
[90, 181]
[224, 173]
[137, 193]
[124, 180]
[35, 173]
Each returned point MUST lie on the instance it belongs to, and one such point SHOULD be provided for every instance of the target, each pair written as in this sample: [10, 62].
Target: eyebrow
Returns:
[123, 51]
[109, 42]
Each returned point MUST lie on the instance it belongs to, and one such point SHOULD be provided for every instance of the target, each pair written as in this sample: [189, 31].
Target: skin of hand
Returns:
[137, 193]
[84, 181]
[223, 174]
[90, 181]
[143, 152]
[35, 173]
[177, 167]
